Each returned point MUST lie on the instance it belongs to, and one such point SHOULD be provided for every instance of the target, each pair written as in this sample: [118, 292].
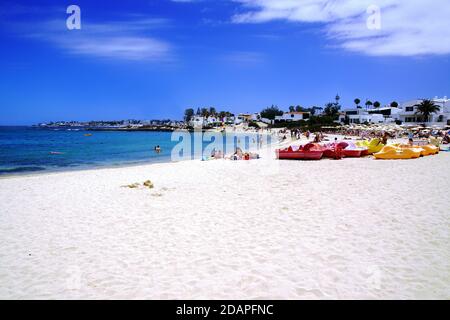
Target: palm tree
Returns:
[332, 109]
[205, 112]
[368, 104]
[222, 115]
[376, 104]
[426, 108]
[394, 104]
[299, 108]
[188, 114]
[357, 102]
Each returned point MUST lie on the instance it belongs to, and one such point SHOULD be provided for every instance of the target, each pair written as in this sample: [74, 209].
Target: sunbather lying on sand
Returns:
[240, 155]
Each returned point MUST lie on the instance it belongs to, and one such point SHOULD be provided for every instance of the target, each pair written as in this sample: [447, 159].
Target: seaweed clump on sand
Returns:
[147, 184]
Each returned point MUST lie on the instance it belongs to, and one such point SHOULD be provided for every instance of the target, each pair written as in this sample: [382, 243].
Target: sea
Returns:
[31, 149]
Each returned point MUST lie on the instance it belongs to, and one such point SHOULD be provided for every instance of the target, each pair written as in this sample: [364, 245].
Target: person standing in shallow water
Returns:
[158, 149]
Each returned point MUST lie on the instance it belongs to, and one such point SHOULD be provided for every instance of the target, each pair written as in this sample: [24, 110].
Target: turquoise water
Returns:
[26, 149]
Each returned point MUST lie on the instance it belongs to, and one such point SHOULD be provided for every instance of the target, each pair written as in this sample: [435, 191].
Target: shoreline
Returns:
[163, 158]
[117, 166]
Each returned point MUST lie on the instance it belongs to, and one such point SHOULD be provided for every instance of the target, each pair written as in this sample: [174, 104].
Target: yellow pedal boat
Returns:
[373, 146]
[427, 150]
[395, 152]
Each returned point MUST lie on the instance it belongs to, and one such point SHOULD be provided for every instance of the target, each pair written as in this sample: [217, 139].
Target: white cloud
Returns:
[123, 40]
[408, 28]
[125, 47]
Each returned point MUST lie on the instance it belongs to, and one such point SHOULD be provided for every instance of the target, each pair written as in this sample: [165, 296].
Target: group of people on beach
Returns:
[414, 133]
[435, 137]
[319, 137]
[296, 134]
[237, 155]
[446, 138]
[240, 155]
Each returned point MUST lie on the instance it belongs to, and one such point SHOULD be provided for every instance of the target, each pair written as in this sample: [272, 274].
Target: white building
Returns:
[406, 114]
[212, 120]
[410, 116]
[197, 122]
[242, 118]
[373, 116]
[389, 114]
[229, 120]
[267, 121]
[292, 116]
[255, 116]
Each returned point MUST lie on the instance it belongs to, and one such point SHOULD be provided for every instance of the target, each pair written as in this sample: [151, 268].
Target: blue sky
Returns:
[152, 59]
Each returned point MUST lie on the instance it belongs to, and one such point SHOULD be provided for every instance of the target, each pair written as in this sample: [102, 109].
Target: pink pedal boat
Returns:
[306, 152]
[350, 150]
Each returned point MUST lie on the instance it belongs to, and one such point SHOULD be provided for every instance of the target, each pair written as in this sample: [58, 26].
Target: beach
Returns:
[260, 229]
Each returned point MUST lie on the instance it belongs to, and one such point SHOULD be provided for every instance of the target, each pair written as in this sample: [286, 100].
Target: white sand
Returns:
[356, 228]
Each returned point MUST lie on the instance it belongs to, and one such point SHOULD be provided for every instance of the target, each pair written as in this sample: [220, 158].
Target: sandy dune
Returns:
[356, 228]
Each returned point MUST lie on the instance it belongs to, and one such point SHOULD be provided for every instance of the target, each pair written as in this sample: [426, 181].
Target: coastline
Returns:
[85, 168]
[356, 228]
[90, 152]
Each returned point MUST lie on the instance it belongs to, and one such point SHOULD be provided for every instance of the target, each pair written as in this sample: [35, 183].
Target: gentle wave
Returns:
[20, 170]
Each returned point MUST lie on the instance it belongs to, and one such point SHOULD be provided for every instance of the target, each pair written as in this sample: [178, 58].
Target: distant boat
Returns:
[88, 134]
